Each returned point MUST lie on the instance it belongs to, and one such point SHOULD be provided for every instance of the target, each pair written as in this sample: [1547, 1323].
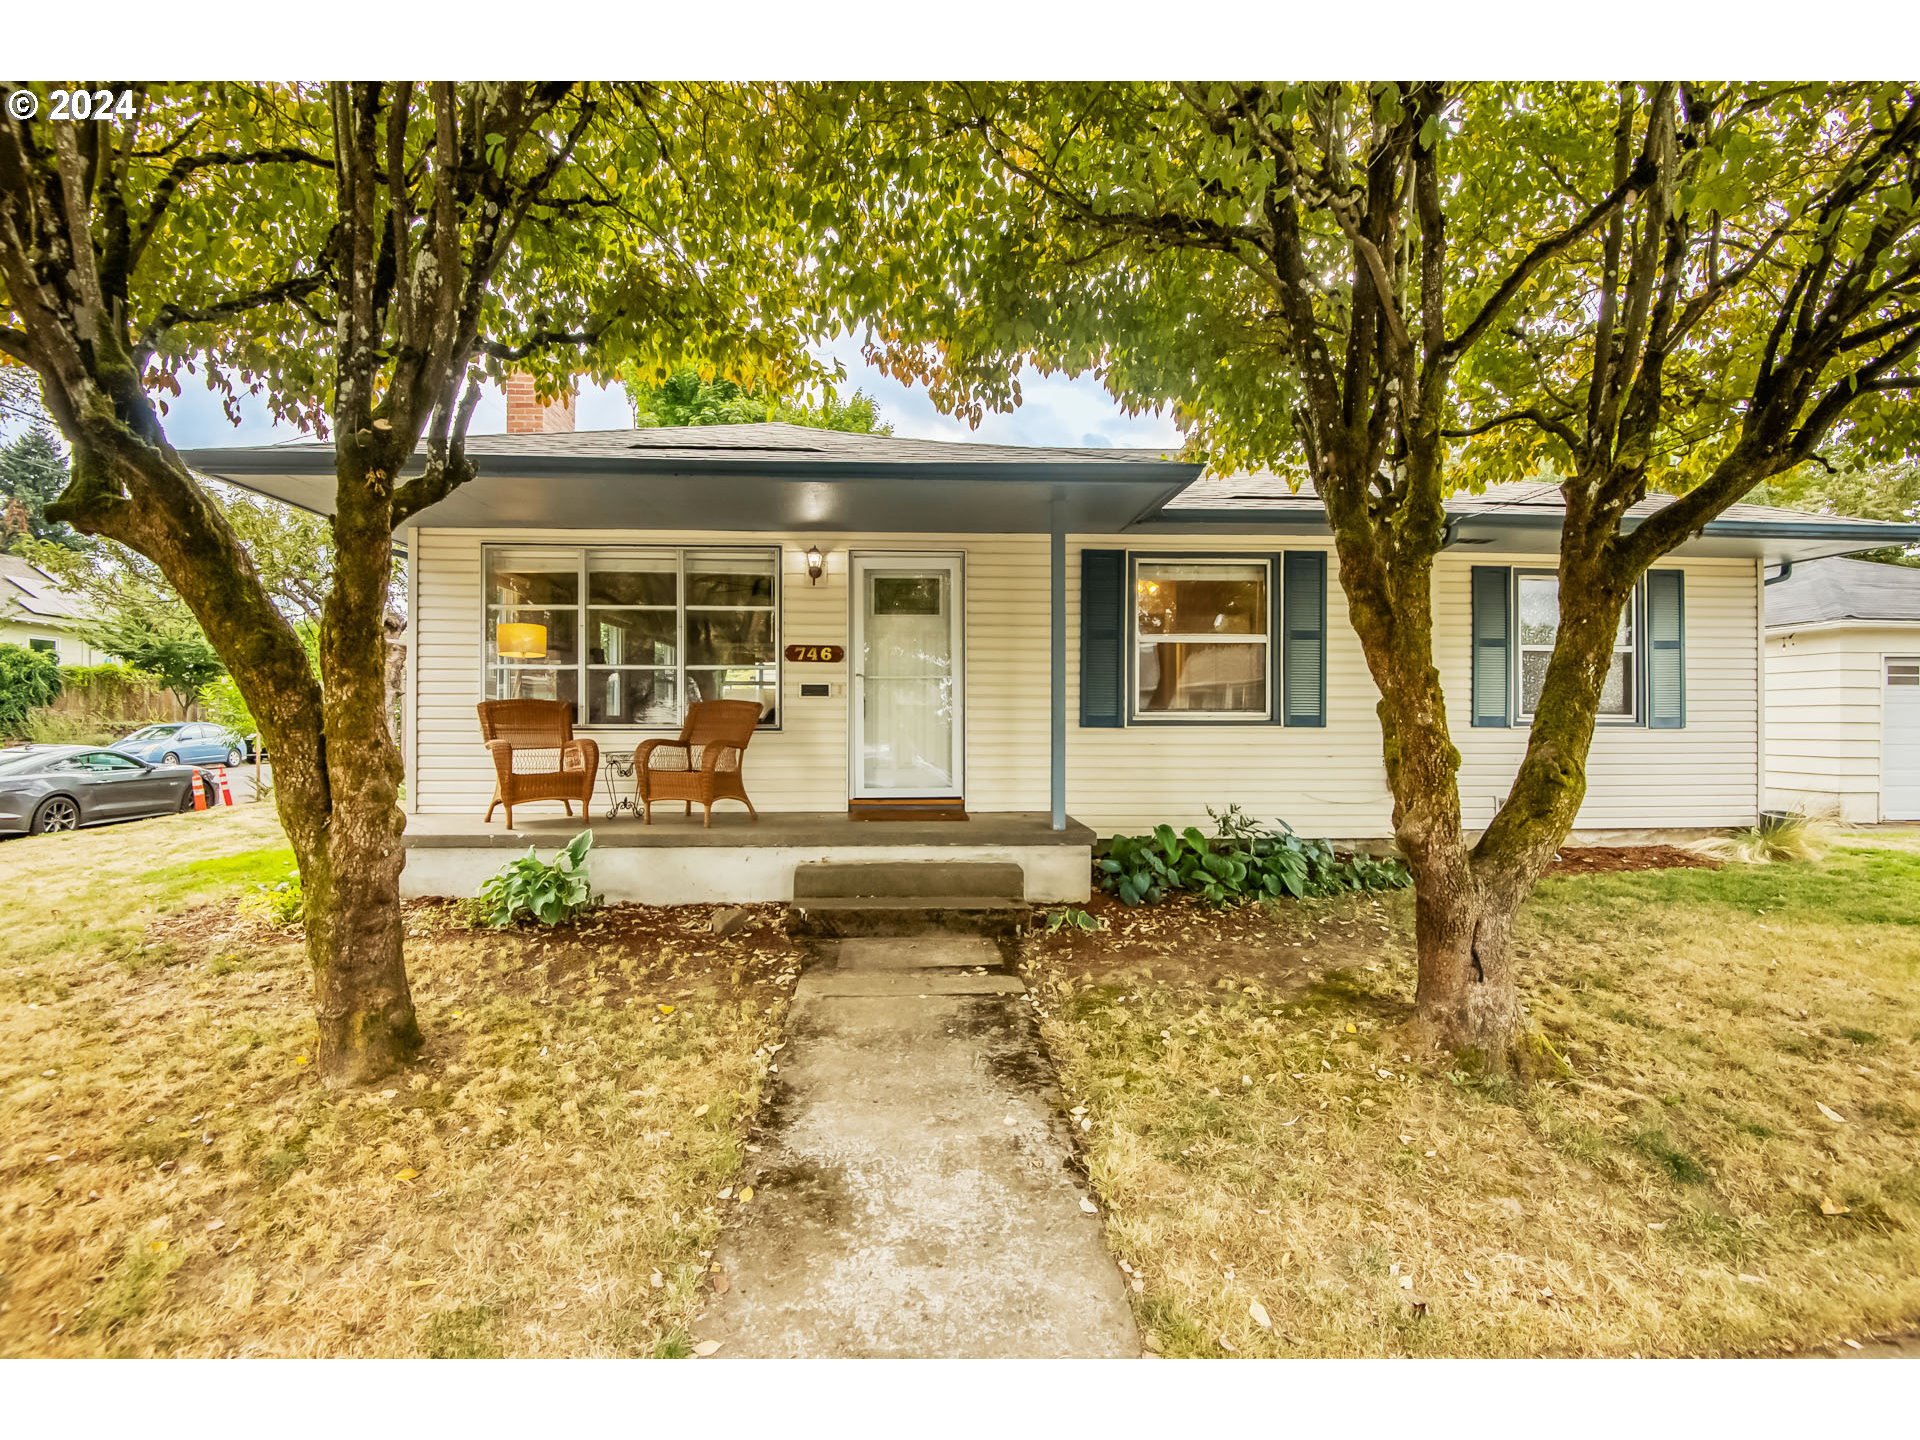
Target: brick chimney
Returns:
[527, 416]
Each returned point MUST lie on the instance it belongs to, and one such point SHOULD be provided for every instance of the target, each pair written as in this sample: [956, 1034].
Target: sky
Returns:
[1054, 410]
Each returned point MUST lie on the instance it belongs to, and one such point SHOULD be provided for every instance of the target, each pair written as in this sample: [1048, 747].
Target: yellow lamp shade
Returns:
[520, 642]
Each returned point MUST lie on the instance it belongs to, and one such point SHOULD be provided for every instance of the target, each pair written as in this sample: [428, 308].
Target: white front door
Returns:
[908, 680]
[1900, 742]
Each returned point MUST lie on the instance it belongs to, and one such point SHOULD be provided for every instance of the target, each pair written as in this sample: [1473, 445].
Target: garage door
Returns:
[1900, 743]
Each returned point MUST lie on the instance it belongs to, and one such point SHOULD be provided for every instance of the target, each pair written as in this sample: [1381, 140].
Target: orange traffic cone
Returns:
[226, 791]
[199, 792]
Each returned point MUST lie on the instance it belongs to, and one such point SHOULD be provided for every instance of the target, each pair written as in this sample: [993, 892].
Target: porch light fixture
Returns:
[520, 642]
[815, 565]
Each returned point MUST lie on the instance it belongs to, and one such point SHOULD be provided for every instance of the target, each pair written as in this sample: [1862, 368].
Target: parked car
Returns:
[185, 743]
[62, 787]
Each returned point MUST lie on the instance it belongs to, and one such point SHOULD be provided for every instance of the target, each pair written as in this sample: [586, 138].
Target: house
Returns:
[1061, 642]
[1843, 690]
[36, 614]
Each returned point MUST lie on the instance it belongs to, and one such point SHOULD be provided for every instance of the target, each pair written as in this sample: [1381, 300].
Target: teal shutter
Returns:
[1492, 643]
[1303, 661]
[1666, 650]
[1103, 636]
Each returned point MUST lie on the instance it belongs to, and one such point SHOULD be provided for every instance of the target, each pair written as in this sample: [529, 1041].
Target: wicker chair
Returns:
[535, 756]
[668, 770]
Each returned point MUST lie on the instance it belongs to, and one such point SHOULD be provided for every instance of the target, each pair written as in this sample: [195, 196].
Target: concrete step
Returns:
[829, 984]
[890, 953]
[1001, 920]
[927, 880]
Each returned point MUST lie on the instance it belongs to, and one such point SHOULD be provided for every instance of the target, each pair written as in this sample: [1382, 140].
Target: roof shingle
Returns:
[1821, 591]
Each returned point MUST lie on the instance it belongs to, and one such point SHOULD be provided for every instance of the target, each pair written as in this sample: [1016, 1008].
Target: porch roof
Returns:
[757, 478]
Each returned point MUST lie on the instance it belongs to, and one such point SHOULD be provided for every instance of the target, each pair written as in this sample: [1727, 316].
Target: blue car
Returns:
[188, 742]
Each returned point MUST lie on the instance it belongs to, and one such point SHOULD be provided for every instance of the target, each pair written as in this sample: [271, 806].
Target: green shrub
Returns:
[283, 903]
[1243, 860]
[28, 680]
[551, 892]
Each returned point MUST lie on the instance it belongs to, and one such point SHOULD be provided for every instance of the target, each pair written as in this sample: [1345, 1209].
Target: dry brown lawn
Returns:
[1732, 1165]
[174, 1181]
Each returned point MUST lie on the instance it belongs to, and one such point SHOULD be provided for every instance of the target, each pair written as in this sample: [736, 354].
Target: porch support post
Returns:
[1058, 614]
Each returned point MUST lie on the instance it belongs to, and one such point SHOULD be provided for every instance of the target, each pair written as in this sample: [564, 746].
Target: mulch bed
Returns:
[1181, 938]
[1613, 859]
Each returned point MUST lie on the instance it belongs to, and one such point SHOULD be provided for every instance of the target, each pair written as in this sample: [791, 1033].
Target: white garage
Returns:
[1843, 690]
[1900, 740]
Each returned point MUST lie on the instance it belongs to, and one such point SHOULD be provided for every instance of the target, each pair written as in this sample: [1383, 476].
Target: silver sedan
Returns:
[62, 787]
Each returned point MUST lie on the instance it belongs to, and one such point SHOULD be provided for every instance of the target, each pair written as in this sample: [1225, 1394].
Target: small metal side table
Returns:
[614, 768]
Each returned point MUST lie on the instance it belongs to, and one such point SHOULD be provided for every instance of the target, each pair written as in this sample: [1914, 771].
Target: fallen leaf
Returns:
[301, 1060]
[701, 1111]
[706, 1348]
[721, 1284]
[664, 1009]
[1830, 1206]
[746, 1193]
[1406, 1282]
[1259, 1314]
[1834, 1115]
[408, 1174]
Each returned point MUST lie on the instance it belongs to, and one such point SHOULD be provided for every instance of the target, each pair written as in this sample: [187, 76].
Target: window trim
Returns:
[1276, 628]
[1636, 668]
[582, 666]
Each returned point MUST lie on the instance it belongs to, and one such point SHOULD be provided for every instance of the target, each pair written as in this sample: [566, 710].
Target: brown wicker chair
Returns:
[535, 756]
[667, 769]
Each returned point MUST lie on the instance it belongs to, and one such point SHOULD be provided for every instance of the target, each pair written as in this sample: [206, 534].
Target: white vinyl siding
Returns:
[1331, 781]
[1825, 698]
[1324, 781]
[803, 764]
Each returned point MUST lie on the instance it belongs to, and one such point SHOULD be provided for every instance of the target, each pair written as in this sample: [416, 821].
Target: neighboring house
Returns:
[1843, 690]
[37, 614]
[1056, 639]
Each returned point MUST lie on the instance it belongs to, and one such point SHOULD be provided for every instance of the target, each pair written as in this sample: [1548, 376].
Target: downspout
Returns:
[1058, 615]
[1786, 569]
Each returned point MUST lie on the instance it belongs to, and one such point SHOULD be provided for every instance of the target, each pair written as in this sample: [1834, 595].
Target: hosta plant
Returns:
[1243, 860]
[550, 892]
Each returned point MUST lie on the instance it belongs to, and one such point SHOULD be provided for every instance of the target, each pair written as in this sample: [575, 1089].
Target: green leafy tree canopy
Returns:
[29, 679]
[33, 472]
[688, 398]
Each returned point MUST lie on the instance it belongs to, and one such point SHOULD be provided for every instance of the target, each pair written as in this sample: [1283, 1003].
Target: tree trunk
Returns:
[1466, 1000]
[1467, 899]
[355, 927]
[355, 934]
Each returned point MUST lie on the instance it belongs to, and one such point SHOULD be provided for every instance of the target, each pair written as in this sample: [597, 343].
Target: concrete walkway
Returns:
[914, 1194]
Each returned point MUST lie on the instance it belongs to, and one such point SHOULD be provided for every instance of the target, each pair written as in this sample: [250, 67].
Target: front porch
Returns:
[678, 861]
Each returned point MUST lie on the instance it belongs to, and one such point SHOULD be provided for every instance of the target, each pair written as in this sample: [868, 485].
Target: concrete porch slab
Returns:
[680, 862]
